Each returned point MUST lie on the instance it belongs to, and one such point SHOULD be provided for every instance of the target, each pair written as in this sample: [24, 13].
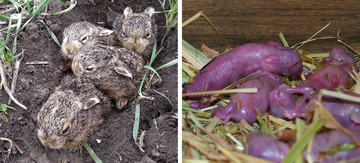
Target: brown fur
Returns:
[135, 31]
[81, 34]
[75, 103]
[113, 70]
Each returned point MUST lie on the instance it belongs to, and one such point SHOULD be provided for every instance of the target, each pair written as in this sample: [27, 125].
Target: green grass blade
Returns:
[17, 32]
[162, 3]
[196, 53]
[92, 153]
[81, 145]
[185, 104]
[62, 12]
[195, 120]
[8, 57]
[299, 131]
[28, 5]
[26, 143]
[283, 40]
[15, 3]
[156, 12]
[53, 36]
[7, 18]
[173, 22]
[166, 65]
[3, 107]
[340, 147]
[195, 111]
[168, 29]
[153, 54]
[8, 33]
[153, 70]
[185, 77]
[262, 123]
[14, 46]
[39, 8]
[136, 125]
[142, 82]
[299, 146]
[353, 114]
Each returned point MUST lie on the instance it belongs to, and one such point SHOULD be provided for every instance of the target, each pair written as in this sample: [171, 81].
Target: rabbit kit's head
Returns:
[99, 62]
[81, 34]
[136, 30]
[71, 113]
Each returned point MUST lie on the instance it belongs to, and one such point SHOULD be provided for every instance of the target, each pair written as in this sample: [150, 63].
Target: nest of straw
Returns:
[204, 139]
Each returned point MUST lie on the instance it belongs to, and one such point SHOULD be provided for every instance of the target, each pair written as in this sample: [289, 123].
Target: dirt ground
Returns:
[36, 82]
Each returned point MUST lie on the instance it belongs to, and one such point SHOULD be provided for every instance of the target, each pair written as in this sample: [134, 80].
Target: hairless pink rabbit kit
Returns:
[290, 85]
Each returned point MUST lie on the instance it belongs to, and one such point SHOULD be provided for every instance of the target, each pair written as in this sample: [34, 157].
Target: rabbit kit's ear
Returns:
[91, 102]
[128, 11]
[151, 11]
[122, 69]
[106, 32]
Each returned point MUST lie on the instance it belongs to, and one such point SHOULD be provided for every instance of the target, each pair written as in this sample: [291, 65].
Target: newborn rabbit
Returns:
[71, 113]
[104, 65]
[81, 34]
[135, 31]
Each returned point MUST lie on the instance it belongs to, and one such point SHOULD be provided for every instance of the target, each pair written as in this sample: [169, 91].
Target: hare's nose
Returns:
[69, 50]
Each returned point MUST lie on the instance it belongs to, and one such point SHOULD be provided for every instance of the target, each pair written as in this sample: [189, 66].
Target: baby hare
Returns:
[81, 34]
[135, 31]
[113, 70]
[71, 113]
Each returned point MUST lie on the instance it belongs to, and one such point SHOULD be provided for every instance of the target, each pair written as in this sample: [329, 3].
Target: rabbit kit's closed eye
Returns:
[135, 31]
[81, 34]
[110, 74]
[71, 113]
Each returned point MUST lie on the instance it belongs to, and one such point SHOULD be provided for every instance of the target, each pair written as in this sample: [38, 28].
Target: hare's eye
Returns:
[148, 35]
[66, 130]
[123, 34]
[84, 39]
[89, 68]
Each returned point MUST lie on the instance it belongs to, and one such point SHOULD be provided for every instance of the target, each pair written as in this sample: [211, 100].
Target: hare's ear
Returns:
[106, 32]
[122, 69]
[127, 11]
[151, 11]
[91, 102]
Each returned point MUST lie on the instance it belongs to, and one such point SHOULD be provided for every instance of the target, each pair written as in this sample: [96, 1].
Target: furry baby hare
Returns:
[113, 70]
[81, 34]
[72, 112]
[135, 31]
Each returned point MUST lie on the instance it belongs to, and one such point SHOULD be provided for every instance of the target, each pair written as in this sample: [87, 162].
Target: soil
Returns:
[37, 81]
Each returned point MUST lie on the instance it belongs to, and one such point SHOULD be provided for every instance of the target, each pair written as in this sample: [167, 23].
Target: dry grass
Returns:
[206, 140]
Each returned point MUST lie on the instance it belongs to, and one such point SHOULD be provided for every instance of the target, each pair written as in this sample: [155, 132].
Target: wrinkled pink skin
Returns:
[319, 80]
[343, 155]
[342, 56]
[329, 139]
[341, 109]
[242, 61]
[197, 104]
[282, 101]
[265, 82]
[338, 72]
[355, 119]
[270, 148]
[265, 146]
